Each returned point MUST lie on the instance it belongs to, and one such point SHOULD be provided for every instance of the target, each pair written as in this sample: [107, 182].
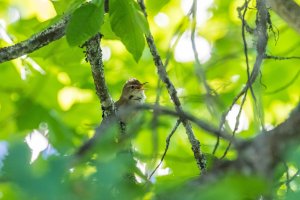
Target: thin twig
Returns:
[246, 46]
[200, 72]
[261, 43]
[236, 126]
[184, 115]
[241, 15]
[167, 147]
[287, 175]
[154, 122]
[199, 156]
[198, 64]
[289, 178]
[245, 6]
[281, 57]
[172, 45]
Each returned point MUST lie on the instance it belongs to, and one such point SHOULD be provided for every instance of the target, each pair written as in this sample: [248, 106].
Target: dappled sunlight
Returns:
[3, 33]
[35, 66]
[235, 78]
[68, 96]
[106, 53]
[243, 123]
[64, 78]
[162, 20]
[280, 111]
[184, 51]
[13, 15]
[42, 9]
[3, 152]
[24, 64]
[160, 171]
[203, 13]
[38, 143]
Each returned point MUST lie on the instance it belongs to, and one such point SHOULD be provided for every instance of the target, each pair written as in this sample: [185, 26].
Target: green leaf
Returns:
[129, 25]
[155, 6]
[84, 23]
[65, 6]
[106, 30]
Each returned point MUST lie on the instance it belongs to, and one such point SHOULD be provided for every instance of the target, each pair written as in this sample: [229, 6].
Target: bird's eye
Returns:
[132, 87]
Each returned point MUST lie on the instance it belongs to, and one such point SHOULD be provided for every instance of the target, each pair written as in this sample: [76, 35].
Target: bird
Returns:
[133, 93]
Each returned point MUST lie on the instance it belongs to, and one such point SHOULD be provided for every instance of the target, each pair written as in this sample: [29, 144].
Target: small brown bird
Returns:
[132, 94]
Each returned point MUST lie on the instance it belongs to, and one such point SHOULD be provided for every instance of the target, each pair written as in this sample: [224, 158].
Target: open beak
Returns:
[142, 86]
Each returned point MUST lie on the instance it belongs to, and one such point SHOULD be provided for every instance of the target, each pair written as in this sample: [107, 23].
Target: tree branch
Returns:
[159, 110]
[288, 10]
[265, 151]
[260, 155]
[167, 147]
[261, 44]
[199, 156]
[182, 114]
[52, 33]
[94, 57]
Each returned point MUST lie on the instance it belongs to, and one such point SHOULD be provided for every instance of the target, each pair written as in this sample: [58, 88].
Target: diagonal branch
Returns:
[199, 156]
[259, 156]
[166, 149]
[265, 151]
[288, 10]
[52, 33]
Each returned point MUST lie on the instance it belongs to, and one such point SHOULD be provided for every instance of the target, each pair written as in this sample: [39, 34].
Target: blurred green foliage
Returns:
[62, 95]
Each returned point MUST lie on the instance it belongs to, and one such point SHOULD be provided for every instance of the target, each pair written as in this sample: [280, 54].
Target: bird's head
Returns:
[133, 91]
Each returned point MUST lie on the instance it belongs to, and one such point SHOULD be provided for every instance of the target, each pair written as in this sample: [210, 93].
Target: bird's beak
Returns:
[142, 85]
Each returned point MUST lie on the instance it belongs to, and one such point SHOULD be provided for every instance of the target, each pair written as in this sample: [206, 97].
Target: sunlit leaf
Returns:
[64, 6]
[128, 23]
[84, 23]
[156, 6]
